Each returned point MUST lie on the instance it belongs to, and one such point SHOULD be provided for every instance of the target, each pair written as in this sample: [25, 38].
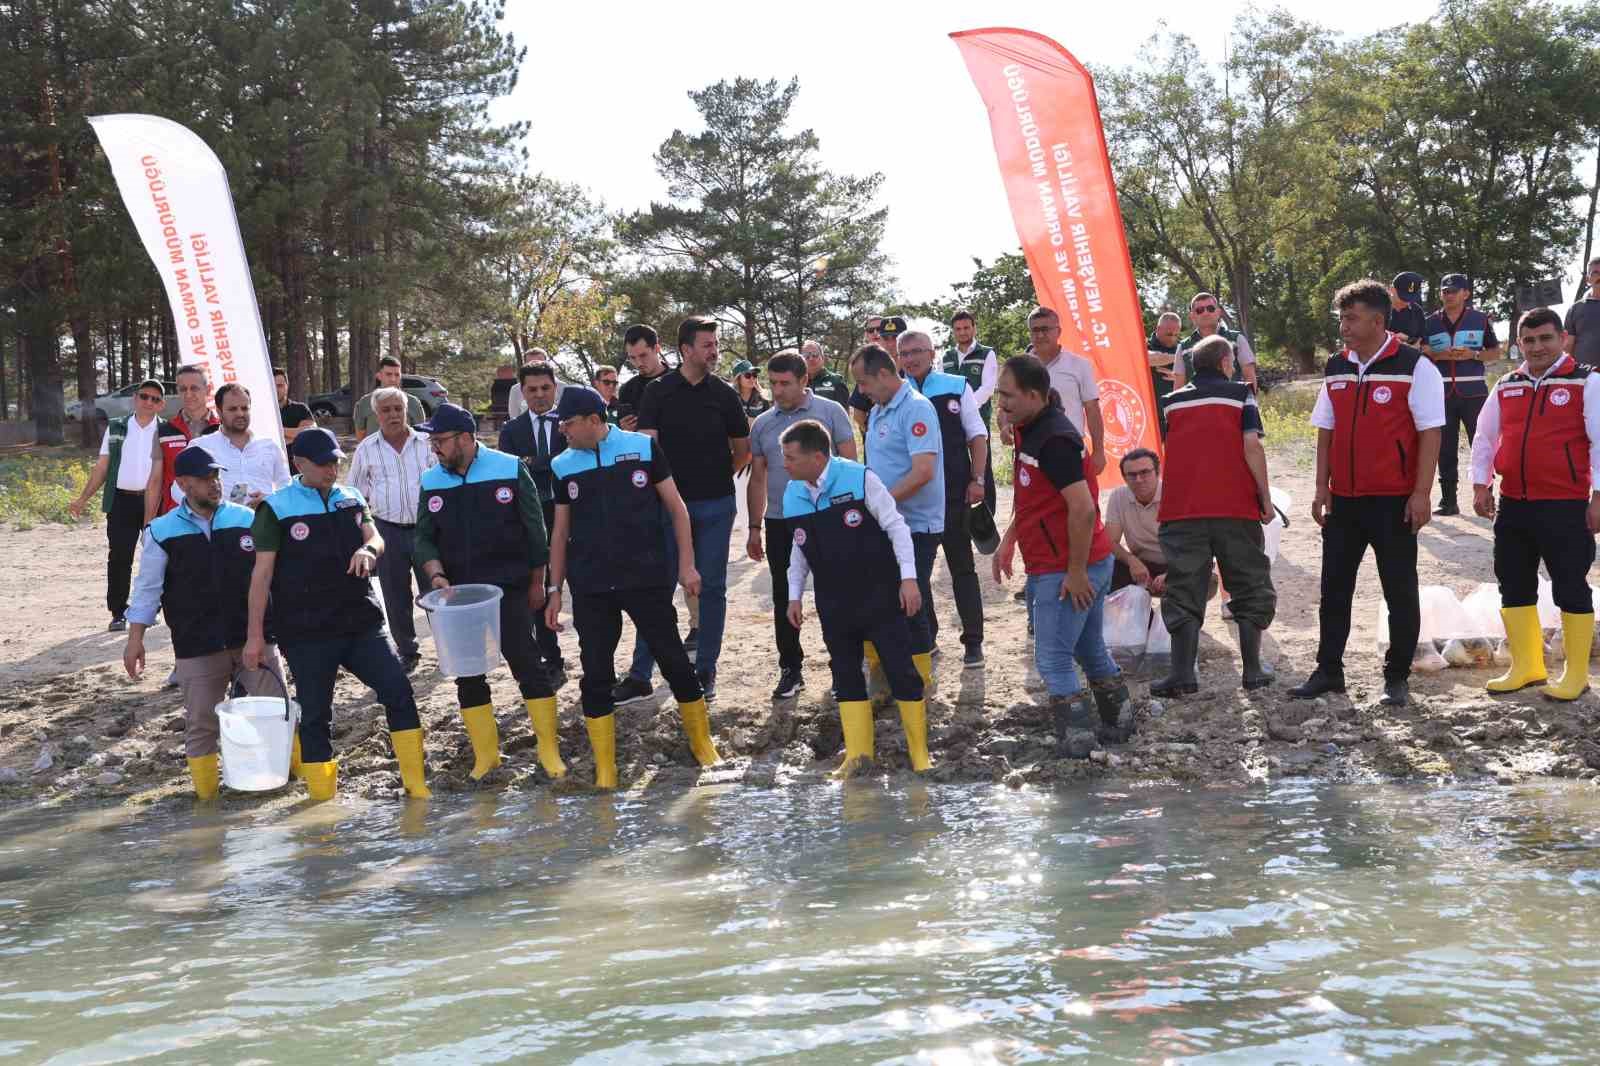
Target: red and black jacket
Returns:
[1543, 450]
[1374, 434]
[1206, 475]
[1041, 513]
[174, 438]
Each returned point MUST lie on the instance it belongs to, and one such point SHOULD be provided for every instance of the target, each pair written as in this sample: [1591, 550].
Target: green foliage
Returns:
[1286, 416]
[39, 488]
[999, 295]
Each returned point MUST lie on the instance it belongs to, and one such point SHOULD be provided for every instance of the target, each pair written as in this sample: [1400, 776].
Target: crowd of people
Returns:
[605, 497]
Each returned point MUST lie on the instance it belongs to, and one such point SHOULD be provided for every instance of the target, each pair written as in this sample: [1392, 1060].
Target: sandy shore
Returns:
[111, 740]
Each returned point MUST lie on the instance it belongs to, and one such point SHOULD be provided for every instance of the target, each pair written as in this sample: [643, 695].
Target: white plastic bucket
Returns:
[1272, 532]
[257, 740]
[465, 620]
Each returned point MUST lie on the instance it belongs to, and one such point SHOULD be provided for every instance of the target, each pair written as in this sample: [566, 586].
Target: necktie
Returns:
[542, 436]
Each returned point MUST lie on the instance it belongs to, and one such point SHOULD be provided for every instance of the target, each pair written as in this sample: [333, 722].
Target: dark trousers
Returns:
[988, 473]
[926, 548]
[891, 633]
[957, 543]
[123, 526]
[544, 638]
[1122, 577]
[780, 544]
[1527, 532]
[315, 664]
[1237, 546]
[597, 617]
[1354, 523]
[1459, 412]
[395, 570]
[516, 645]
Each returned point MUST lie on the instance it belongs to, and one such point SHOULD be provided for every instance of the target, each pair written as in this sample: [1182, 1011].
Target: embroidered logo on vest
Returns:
[247, 543]
[435, 504]
[852, 518]
[954, 407]
[1382, 394]
[1560, 397]
[640, 479]
[299, 531]
[503, 494]
[572, 490]
[800, 537]
[1023, 476]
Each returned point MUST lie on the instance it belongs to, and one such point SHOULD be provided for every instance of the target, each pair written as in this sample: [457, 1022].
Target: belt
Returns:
[400, 525]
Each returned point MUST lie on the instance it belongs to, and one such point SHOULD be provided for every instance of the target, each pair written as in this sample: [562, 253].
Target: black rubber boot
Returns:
[1316, 685]
[1396, 693]
[1183, 681]
[1075, 722]
[1116, 715]
[1255, 675]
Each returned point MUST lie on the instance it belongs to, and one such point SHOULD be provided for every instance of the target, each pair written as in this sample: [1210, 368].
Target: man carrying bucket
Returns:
[316, 551]
[480, 522]
[616, 504]
[196, 568]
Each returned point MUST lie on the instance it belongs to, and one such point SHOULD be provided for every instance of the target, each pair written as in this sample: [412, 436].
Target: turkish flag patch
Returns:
[919, 429]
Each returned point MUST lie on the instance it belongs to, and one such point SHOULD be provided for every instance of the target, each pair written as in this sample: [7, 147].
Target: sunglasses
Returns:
[751, 374]
[147, 398]
[1204, 309]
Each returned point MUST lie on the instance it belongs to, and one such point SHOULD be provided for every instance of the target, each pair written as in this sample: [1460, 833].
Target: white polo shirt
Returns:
[133, 473]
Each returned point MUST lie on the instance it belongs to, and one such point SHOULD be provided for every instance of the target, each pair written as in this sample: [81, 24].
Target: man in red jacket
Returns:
[1377, 417]
[1540, 431]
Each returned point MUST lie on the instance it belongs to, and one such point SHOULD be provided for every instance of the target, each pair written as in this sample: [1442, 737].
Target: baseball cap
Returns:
[576, 401]
[446, 418]
[318, 445]
[892, 326]
[985, 537]
[1408, 283]
[1454, 281]
[195, 461]
[743, 366]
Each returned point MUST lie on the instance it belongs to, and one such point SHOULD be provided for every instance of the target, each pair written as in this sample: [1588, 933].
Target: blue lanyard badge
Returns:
[1439, 341]
[1469, 338]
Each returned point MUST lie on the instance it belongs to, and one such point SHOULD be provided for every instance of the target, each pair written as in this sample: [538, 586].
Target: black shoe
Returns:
[118, 624]
[691, 643]
[1075, 722]
[1021, 596]
[631, 690]
[1396, 693]
[1447, 507]
[1116, 716]
[1316, 685]
[411, 662]
[790, 682]
[972, 658]
[1185, 652]
[1254, 674]
[708, 684]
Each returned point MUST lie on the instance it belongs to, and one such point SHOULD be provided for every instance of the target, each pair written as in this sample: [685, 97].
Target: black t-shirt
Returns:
[1583, 322]
[858, 400]
[1062, 462]
[693, 425]
[756, 405]
[294, 413]
[631, 394]
[1409, 321]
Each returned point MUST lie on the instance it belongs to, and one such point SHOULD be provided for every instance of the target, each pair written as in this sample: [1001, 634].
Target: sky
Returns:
[881, 84]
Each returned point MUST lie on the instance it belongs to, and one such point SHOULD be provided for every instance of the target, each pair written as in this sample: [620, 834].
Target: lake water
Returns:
[871, 923]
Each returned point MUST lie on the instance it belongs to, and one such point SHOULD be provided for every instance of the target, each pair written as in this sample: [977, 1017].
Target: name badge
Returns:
[1470, 338]
[844, 497]
[1335, 386]
[1513, 392]
[1439, 341]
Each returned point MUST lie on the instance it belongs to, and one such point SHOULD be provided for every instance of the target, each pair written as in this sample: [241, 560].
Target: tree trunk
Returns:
[44, 377]
[299, 358]
[5, 404]
[1588, 231]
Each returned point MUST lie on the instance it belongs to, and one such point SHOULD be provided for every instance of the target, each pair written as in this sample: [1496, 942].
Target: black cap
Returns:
[891, 326]
[1408, 283]
[195, 461]
[576, 401]
[985, 537]
[1454, 281]
[318, 445]
[448, 418]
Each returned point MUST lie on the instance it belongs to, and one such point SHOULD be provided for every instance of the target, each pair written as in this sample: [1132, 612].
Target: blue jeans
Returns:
[1062, 633]
[711, 527]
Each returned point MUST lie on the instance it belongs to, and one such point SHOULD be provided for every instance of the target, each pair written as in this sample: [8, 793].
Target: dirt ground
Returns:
[111, 740]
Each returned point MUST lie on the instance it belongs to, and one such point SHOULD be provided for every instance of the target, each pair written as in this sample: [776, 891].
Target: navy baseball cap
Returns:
[195, 461]
[1408, 283]
[1454, 281]
[318, 445]
[448, 418]
[577, 401]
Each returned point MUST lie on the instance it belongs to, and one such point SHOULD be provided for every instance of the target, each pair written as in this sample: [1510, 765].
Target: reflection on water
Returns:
[863, 924]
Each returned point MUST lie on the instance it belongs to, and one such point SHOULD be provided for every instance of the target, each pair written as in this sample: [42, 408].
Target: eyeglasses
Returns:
[916, 351]
[606, 381]
[439, 438]
[147, 398]
[1204, 309]
[1134, 475]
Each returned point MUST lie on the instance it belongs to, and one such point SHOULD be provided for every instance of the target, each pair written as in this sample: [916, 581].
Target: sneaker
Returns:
[1020, 596]
[118, 624]
[691, 643]
[972, 659]
[708, 684]
[789, 683]
[631, 690]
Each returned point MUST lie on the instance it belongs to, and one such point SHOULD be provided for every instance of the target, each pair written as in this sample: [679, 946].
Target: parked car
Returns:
[430, 392]
[119, 403]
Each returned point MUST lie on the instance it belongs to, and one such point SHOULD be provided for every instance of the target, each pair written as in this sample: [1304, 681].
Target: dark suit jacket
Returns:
[516, 437]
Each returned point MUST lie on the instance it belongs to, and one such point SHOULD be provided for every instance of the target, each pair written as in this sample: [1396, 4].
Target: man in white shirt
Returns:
[1072, 376]
[252, 467]
[979, 365]
[129, 445]
[387, 470]
[516, 402]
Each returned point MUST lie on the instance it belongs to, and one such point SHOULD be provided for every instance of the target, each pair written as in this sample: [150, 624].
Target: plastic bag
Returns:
[1273, 530]
[1502, 653]
[1127, 618]
[1427, 660]
[1469, 653]
[1443, 617]
[1483, 611]
[1158, 641]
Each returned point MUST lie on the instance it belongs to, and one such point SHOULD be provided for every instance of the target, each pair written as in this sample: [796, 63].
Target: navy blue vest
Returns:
[853, 568]
[313, 592]
[945, 390]
[206, 590]
[477, 520]
[617, 527]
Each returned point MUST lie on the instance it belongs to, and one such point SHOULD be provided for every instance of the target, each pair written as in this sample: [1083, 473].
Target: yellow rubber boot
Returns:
[914, 720]
[870, 650]
[296, 767]
[1526, 642]
[856, 718]
[1577, 633]
[203, 769]
[485, 737]
[603, 739]
[697, 727]
[542, 713]
[408, 753]
[322, 779]
[924, 662]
